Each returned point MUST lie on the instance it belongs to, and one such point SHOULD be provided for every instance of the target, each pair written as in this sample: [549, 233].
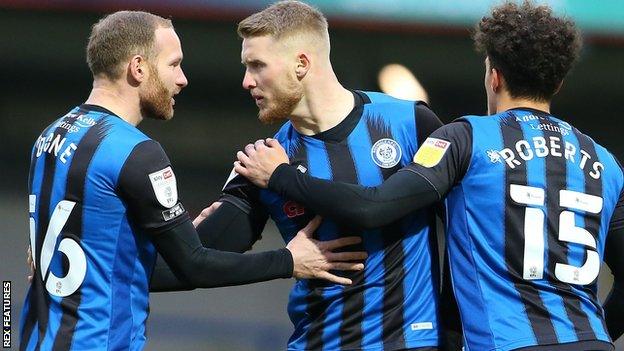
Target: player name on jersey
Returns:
[527, 149]
[53, 143]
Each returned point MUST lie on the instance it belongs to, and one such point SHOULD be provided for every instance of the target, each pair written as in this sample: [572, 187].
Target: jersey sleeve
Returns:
[614, 305]
[444, 157]
[147, 184]
[240, 192]
[617, 218]
[230, 229]
[615, 240]
[426, 121]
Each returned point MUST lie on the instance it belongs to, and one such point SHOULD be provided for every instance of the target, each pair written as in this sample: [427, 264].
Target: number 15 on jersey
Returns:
[568, 233]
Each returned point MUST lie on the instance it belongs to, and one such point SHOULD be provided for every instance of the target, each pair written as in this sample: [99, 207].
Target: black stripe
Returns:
[394, 257]
[344, 170]
[316, 305]
[316, 309]
[341, 162]
[592, 221]
[537, 313]
[39, 298]
[556, 180]
[76, 179]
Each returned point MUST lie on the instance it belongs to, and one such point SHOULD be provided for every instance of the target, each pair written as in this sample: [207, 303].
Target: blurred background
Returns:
[44, 74]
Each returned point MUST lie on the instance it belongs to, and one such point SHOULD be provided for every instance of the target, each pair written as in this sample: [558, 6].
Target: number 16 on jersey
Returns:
[58, 286]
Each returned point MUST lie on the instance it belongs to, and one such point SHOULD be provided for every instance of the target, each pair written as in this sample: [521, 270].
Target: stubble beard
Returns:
[283, 103]
[155, 101]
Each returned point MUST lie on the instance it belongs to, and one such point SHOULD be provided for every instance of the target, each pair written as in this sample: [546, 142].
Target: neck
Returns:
[117, 99]
[324, 105]
[505, 102]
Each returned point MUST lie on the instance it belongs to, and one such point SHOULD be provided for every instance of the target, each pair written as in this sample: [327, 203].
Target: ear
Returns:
[496, 80]
[137, 69]
[303, 65]
[558, 88]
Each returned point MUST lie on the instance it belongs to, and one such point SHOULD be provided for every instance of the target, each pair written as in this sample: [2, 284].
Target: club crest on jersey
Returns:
[386, 153]
[165, 189]
[431, 152]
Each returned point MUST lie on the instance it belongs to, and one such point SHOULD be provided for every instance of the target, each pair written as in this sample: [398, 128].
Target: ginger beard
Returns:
[282, 102]
[155, 99]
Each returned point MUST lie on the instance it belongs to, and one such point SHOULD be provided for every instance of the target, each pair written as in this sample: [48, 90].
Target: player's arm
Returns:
[238, 223]
[439, 164]
[230, 229]
[426, 122]
[234, 225]
[147, 186]
[614, 257]
[225, 228]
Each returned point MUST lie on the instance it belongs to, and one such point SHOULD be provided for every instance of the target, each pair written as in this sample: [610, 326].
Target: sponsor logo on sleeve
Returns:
[165, 188]
[431, 152]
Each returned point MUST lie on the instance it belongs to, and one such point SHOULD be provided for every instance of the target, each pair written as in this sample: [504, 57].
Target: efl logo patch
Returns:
[431, 152]
[165, 189]
[386, 153]
[172, 213]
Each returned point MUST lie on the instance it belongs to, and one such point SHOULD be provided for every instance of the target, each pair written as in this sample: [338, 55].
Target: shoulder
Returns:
[472, 119]
[382, 106]
[123, 139]
[457, 130]
[124, 132]
[147, 151]
[284, 132]
[124, 145]
[373, 99]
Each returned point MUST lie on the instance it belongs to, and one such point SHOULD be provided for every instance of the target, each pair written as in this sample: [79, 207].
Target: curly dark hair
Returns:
[532, 48]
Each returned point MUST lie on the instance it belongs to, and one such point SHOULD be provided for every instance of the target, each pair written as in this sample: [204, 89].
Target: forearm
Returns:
[164, 280]
[399, 195]
[229, 229]
[198, 267]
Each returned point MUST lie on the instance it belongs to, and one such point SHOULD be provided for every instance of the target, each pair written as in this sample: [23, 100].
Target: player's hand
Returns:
[314, 259]
[259, 161]
[30, 263]
[205, 213]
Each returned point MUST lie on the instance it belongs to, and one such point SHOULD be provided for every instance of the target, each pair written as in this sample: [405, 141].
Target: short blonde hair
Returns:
[284, 18]
[118, 36]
